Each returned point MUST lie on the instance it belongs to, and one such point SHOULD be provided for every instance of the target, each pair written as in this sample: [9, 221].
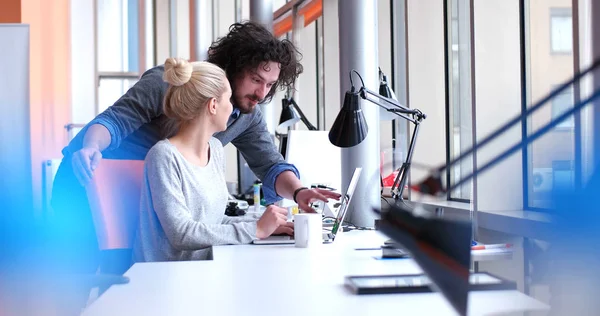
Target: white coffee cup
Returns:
[308, 230]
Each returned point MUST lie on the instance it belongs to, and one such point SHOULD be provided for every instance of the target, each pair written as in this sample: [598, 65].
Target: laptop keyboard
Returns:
[281, 237]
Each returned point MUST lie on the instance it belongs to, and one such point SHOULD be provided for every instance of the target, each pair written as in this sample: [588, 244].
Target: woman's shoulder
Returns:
[160, 151]
[216, 143]
[216, 149]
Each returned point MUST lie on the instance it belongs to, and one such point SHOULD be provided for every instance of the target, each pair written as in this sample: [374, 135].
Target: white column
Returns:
[358, 50]
[149, 56]
[203, 25]
[261, 11]
[173, 28]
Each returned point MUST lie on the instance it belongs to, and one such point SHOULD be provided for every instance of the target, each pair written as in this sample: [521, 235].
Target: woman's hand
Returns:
[287, 228]
[272, 219]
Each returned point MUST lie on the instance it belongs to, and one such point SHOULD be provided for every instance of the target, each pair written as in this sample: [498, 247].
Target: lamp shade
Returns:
[289, 114]
[386, 91]
[350, 126]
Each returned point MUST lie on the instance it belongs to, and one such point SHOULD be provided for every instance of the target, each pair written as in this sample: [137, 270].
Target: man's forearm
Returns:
[286, 184]
[97, 136]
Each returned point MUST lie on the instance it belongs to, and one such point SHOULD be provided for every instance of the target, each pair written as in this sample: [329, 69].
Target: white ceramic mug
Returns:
[308, 230]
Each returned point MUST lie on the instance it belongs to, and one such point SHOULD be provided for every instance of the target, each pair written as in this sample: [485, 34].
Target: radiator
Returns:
[49, 169]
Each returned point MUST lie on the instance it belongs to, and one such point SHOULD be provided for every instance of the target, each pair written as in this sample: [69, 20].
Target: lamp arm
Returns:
[400, 181]
[410, 119]
[396, 111]
[397, 188]
[397, 107]
[303, 117]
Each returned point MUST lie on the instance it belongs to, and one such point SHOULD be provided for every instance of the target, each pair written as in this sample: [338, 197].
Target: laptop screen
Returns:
[345, 201]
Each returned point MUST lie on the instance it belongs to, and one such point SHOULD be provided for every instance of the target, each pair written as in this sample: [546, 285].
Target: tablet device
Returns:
[420, 283]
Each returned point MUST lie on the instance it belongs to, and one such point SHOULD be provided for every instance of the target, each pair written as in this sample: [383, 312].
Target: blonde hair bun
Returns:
[178, 71]
[184, 102]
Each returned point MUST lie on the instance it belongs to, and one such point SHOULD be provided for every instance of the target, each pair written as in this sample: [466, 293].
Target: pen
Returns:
[491, 246]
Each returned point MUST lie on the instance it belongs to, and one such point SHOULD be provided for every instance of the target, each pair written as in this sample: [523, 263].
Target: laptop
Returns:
[328, 235]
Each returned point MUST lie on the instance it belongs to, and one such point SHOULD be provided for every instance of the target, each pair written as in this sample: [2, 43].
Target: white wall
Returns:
[183, 28]
[245, 10]
[225, 16]
[426, 81]
[307, 81]
[498, 99]
[162, 31]
[83, 66]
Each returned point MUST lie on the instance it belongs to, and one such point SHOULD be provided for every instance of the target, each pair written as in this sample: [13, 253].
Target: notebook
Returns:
[328, 235]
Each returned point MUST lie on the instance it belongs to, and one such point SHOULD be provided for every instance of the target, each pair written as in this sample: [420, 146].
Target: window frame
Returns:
[449, 98]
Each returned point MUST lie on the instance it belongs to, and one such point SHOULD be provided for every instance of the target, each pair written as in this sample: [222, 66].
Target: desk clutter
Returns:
[498, 247]
[389, 251]
[420, 283]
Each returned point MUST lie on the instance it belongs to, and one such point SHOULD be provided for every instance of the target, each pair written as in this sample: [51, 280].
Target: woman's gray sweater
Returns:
[182, 207]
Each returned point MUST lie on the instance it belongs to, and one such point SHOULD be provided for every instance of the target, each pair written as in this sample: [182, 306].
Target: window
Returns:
[550, 158]
[118, 49]
[560, 104]
[561, 30]
[459, 133]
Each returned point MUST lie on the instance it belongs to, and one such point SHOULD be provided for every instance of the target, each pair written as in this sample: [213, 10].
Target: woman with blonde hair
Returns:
[184, 194]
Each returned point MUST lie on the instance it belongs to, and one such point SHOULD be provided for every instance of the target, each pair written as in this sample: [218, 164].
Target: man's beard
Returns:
[243, 105]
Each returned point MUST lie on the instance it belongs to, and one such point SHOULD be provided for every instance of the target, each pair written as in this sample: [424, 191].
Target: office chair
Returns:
[114, 197]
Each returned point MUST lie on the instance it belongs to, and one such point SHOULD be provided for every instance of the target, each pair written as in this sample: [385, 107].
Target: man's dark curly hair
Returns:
[249, 44]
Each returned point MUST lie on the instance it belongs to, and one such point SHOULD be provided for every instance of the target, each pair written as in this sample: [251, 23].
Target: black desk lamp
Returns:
[442, 248]
[350, 127]
[291, 114]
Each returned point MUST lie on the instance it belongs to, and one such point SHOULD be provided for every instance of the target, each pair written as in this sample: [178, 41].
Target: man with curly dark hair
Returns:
[247, 60]
[256, 64]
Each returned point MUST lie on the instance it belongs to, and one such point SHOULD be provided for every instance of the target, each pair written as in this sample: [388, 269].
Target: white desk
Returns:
[284, 280]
